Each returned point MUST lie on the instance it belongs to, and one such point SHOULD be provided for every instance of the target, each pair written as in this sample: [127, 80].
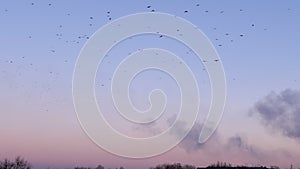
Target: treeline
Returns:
[20, 163]
[173, 166]
[161, 166]
[224, 165]
[98, 167]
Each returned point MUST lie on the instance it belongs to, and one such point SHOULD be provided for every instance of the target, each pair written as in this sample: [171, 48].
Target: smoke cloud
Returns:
[280, 112]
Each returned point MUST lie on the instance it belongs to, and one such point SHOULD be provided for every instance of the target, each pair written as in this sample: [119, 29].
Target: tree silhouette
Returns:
[19, 163]
[82, 168]
[99, 167]
[173, 166]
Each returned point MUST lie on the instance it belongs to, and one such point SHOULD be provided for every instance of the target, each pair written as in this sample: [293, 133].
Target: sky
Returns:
[257, 42]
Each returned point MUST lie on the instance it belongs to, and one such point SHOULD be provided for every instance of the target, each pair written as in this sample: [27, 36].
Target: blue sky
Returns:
[41, 40]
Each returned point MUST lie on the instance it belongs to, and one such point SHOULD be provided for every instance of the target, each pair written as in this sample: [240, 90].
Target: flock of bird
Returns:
[91, 20]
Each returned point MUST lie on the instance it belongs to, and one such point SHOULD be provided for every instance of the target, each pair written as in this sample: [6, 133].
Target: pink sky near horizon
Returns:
[65, 144]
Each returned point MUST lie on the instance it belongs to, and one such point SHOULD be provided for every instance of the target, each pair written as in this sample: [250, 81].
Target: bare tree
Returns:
[173, 166]
[6, 164]
[99, 167]
[19, 163]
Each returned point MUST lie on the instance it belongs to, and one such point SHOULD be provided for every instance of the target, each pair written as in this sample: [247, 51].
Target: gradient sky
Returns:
[41, 40]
